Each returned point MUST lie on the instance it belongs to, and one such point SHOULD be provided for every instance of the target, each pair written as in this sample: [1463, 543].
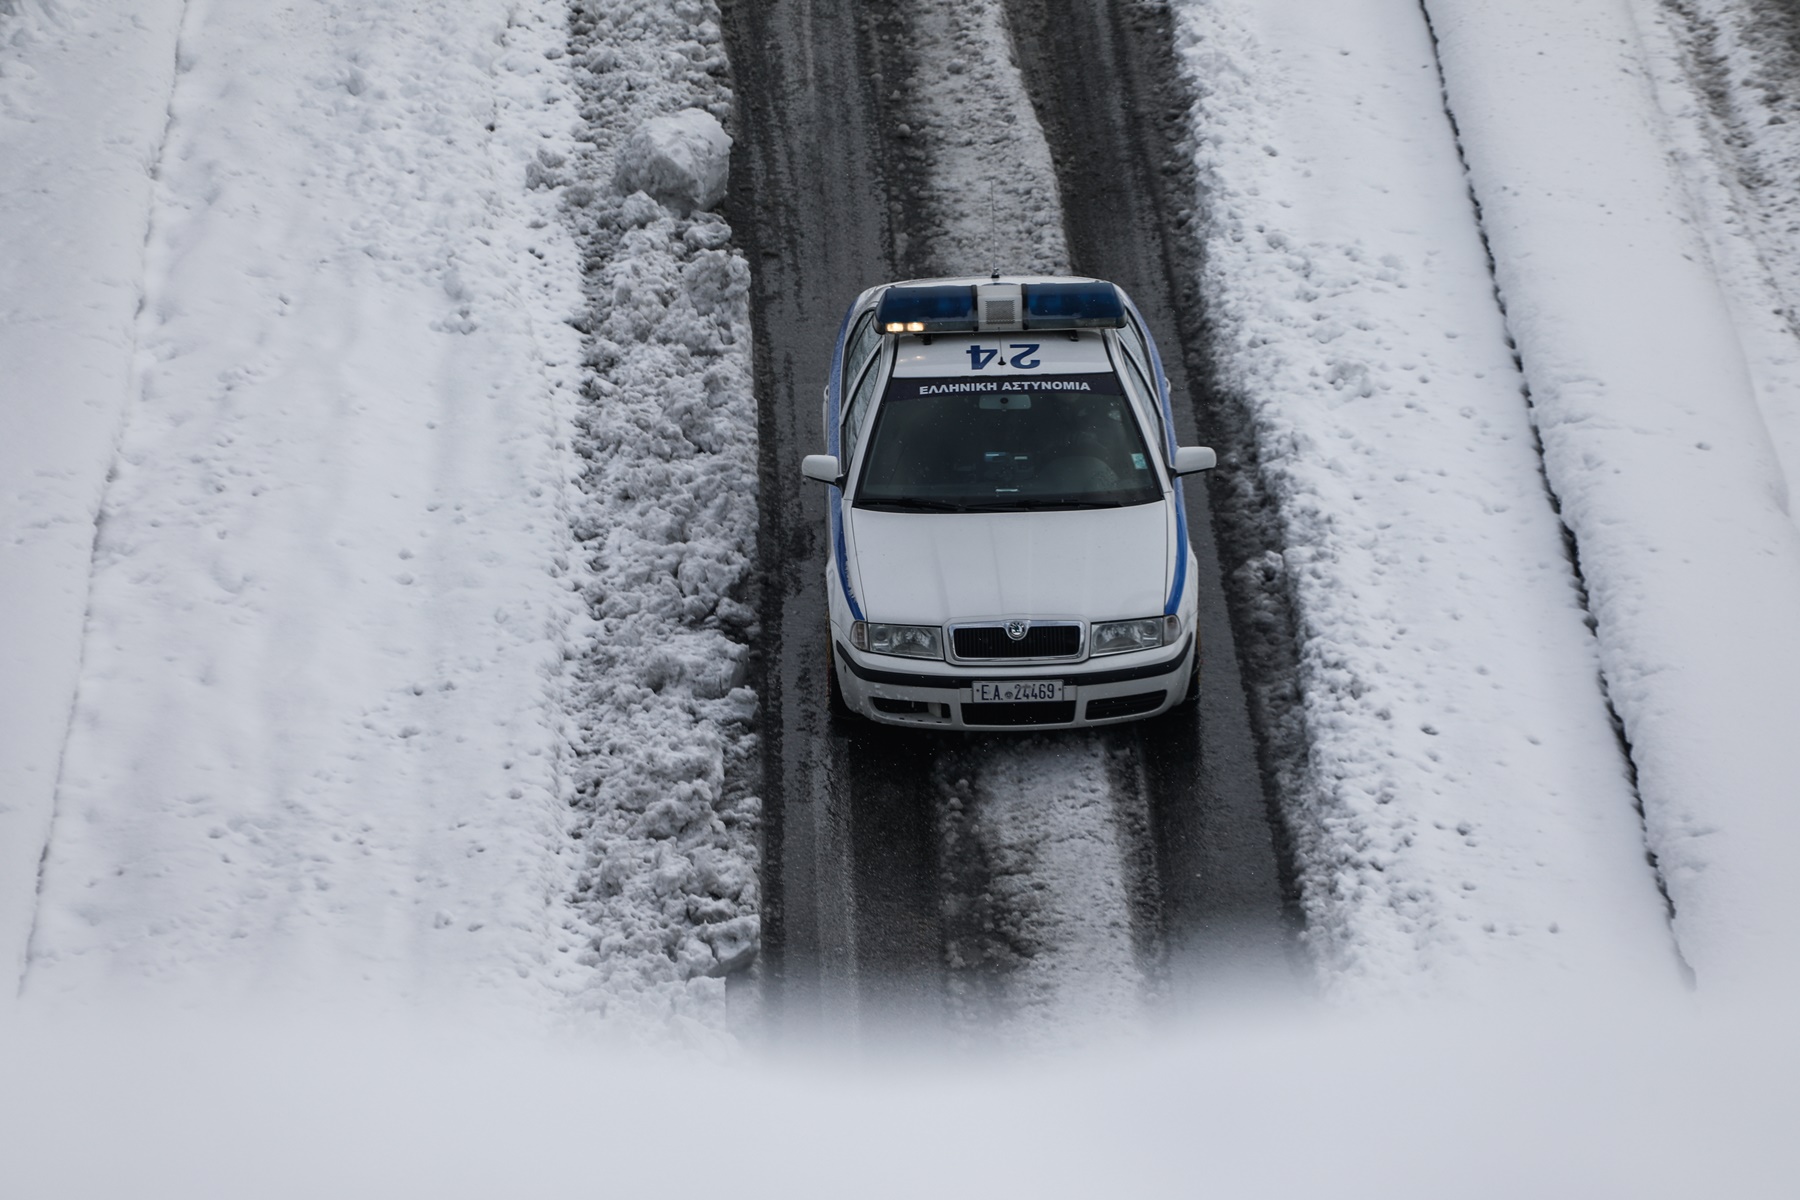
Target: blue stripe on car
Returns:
[833, 406]
[1181, 539]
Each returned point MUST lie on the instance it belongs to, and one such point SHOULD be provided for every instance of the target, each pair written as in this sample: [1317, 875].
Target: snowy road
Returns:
[409, 593]
[1046, 880]
[410, 610]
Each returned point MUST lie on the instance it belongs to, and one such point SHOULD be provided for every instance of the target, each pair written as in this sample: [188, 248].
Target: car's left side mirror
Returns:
[822, 467]
[1189, 459]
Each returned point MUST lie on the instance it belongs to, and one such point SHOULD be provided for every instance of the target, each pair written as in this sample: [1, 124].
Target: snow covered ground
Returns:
[1649, 386]
[76, 194]
[667, 814]
[989, 184]
[411, 654]
[1722, 73]
[1471, 822]
[316, 739]
[377, 596]
[375, 616]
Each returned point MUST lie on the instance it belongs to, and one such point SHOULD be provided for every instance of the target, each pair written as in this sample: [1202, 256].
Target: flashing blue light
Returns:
[942, 308]
[1073, 306]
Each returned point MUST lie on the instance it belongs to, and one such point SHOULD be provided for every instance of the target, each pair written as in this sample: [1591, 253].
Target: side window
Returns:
[1141, 377]
[864, 340]
[859, 407]
[1134, 345]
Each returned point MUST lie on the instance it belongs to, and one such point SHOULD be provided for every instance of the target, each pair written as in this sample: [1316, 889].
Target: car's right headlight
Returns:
[1122, 637]
[909, 641]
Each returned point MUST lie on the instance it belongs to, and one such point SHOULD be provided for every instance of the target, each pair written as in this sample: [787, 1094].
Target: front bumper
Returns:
[938, 695]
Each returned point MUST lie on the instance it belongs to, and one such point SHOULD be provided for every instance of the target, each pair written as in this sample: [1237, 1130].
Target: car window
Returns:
[1133, 342]
[859, 405]
[960, 444]
[1148, 390]
[863, 341]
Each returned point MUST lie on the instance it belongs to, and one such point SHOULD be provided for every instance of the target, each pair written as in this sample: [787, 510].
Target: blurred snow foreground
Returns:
[683, 160]
[1638, 1100]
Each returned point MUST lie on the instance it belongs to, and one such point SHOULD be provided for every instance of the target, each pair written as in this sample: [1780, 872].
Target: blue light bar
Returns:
[1087, 305]
[939, 308]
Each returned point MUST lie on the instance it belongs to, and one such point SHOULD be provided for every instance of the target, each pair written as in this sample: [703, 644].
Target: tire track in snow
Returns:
[988, 187]
[1044, 888]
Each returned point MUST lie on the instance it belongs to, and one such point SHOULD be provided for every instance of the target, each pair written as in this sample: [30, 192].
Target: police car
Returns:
[1008, 542]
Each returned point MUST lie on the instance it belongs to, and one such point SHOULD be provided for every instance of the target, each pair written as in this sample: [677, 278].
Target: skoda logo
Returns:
[1016, 630]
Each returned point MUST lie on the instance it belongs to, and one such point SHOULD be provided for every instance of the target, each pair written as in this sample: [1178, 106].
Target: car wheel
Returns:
[1193, 687]
[834, 693]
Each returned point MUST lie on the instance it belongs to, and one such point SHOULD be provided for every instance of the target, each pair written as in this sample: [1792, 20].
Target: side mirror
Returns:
[823, 467]
[1189, 459]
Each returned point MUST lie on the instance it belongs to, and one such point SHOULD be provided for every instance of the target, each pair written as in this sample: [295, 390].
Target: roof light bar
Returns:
[1088, 305]
[939, 308]
[952, 308]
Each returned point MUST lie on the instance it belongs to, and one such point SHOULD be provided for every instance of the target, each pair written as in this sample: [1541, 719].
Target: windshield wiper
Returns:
[1022, 504]
[913, 503]
[1032, 503]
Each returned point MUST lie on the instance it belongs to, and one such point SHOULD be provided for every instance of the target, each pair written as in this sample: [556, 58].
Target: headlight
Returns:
[911, 641]
[1121, 637]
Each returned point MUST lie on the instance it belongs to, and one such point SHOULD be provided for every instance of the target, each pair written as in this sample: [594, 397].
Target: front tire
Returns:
[834, 692]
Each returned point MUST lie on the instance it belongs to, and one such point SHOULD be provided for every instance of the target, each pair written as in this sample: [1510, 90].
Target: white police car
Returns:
[1008, 540]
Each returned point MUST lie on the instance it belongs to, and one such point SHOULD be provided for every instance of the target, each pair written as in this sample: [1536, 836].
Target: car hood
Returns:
[931, 568]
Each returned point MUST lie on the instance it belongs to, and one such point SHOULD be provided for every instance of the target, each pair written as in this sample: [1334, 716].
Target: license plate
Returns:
[1012, 691]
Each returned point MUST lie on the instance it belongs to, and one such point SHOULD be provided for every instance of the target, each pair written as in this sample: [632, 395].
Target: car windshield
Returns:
[987, 445]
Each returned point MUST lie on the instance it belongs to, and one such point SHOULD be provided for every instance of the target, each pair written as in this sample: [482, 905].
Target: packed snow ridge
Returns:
[665, 766]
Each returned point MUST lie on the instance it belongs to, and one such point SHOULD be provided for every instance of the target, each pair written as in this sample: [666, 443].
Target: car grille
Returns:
[1053, 712]
[1123, 706]
[1040, 641]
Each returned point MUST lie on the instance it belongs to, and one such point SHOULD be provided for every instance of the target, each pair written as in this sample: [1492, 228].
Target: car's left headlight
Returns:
[909, 641]
[1122, 637]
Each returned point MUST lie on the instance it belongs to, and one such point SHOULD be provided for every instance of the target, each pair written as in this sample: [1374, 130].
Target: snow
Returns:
[1467, 824]
[377, 512]
[316, 739]
[683, 160]
[1656, 444]
[667, 815]
[988, 182]
[72, 242]
[1046, 949]
[416, 629]
[1715, 72]
[1471, 1103]
[377, 616]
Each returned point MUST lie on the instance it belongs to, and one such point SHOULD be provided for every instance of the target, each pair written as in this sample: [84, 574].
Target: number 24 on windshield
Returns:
[1021, 356]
